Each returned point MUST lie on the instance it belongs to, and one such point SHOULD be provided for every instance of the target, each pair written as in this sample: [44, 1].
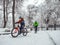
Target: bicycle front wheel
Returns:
[14, 33]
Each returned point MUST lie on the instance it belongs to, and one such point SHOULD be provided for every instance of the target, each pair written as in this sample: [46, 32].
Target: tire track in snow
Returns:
[51, 38]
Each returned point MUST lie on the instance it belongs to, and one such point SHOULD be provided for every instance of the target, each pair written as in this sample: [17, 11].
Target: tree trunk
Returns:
[13, 12]
[55, 26]
[7, 2]
[47, 24]
[4, 13]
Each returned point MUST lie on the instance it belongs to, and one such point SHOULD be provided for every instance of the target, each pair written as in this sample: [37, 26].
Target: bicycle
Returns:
[16, 31]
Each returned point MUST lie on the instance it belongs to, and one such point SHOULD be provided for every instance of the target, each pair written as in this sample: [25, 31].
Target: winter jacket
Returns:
[35, 23]
[21, 21]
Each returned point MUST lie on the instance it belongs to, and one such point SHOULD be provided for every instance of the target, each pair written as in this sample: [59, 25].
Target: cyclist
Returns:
[35, 24]
[21, 22]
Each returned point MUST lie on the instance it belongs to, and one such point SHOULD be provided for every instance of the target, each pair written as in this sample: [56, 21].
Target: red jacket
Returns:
[20, 20]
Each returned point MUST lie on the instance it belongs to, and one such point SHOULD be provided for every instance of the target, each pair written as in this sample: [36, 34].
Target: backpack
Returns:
[23, 23]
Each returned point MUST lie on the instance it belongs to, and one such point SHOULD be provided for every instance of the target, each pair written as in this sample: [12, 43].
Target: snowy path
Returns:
[56, 36]
[41, 38]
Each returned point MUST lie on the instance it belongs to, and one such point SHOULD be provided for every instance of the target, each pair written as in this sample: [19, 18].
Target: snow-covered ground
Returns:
[41, 38]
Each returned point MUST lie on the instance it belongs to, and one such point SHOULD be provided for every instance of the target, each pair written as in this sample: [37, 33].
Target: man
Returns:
[21, 22]
[35, 24]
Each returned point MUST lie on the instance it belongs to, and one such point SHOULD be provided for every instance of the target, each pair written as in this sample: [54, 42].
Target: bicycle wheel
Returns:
[14, 33]
[25, 32]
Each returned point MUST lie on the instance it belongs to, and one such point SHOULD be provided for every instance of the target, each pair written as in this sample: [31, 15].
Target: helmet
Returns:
[20, 17]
